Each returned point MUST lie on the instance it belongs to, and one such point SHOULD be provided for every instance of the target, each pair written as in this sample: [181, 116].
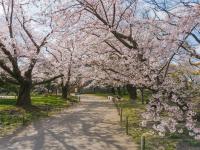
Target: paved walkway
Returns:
[92, 125]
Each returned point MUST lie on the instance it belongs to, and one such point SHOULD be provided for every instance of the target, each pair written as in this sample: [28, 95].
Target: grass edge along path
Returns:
[13, 117]
[152, 141]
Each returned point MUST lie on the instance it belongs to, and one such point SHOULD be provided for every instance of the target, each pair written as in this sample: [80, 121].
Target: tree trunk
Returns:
[124, 90]
[132, 91]
[119, 91]
[65, 89]
[113, 90]
[142, 95]
[56, 91]
[24, 95]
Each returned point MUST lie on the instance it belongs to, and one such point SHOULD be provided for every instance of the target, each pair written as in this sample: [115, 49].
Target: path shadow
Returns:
[87, 128]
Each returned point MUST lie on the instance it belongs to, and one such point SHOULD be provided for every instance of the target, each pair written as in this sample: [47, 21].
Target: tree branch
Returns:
[5, 79]
[49, 80]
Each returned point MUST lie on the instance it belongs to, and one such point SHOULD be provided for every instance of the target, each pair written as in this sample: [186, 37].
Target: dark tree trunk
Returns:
[113, 90]
[24, 95]
[119, 91]
[132, 91]
[124, 90]
[56, 91]
[142, 95]
[65, 89]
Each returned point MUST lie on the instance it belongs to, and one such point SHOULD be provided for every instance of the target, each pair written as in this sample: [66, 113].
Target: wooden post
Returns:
[1, 120]
[121, 115]
[142, 142]
[47, 109]
[127, 125]
[23, 119]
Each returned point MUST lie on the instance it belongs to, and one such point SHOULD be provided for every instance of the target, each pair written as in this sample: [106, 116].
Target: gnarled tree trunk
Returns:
[132, 91]
[24, 95]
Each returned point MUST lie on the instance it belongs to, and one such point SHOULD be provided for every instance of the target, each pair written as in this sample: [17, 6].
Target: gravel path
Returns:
[92, 125]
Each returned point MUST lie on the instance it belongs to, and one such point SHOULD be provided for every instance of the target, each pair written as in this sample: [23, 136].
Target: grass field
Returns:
[12, 117]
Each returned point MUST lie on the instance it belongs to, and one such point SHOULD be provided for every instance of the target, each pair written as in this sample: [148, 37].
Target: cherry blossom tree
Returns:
[66, 46]
[69, 60]
[132, 40]
[24, 34]
[144, 49]
[107, 42]
[176, 95]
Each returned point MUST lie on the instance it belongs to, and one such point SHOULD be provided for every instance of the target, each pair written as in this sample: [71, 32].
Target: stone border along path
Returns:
[91, 125]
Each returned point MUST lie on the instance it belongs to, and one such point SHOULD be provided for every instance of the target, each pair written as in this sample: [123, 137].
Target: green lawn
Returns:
[12, 117]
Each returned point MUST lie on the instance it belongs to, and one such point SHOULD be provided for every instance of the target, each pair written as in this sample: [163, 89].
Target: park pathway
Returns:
[91, 125]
